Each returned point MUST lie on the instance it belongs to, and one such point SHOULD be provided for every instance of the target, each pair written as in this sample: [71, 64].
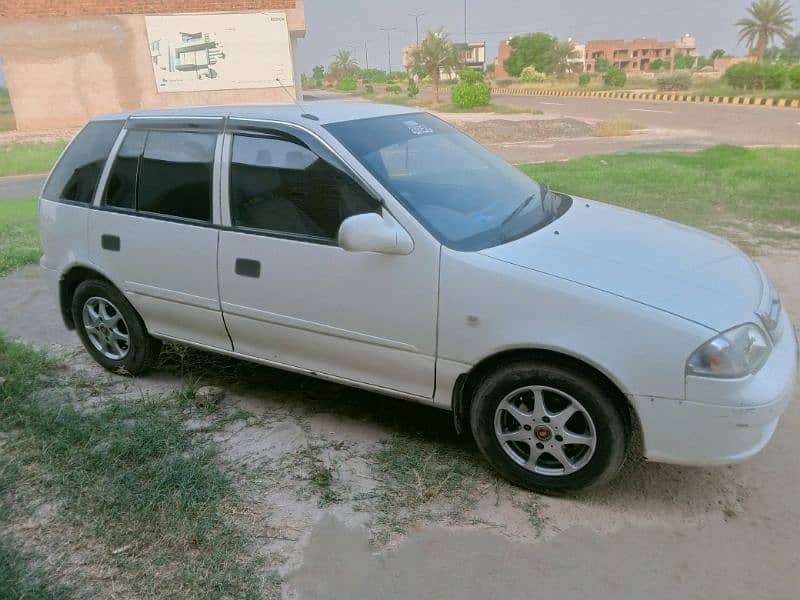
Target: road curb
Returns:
[654, 96]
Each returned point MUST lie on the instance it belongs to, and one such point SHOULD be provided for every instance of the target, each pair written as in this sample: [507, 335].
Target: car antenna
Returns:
[304, 114]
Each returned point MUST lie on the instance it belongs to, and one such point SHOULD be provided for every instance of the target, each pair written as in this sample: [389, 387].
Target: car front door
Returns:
[153, 229]
[291, 296]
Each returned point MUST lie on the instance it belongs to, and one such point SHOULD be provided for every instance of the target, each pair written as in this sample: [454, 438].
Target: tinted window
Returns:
[279, 185]
[121, 187]
[77, 173]
[175, 174]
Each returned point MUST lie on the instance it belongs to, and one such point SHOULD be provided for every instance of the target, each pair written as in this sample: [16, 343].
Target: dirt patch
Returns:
[37, 137]
[507, 131]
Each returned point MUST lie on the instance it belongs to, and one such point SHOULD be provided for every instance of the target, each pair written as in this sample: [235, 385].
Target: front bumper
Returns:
[721, 421]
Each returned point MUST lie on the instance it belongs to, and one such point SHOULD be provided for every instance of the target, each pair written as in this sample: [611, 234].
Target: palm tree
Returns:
[768, 19]
[560, 56]
[435, 54]
[344, 65]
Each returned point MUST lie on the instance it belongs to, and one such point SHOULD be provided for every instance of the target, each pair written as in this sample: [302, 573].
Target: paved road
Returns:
[717, 124]
[22, 186]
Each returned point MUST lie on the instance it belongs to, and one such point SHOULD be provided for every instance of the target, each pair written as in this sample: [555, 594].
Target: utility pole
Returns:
[466, 44]
[416, 18]
[389, 31]
[366, 55]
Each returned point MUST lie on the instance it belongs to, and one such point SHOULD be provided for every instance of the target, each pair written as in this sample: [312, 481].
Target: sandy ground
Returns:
[658, 531]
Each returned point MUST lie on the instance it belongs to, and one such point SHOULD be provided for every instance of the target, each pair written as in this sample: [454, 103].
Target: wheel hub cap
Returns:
[106, 328]
[545, 430]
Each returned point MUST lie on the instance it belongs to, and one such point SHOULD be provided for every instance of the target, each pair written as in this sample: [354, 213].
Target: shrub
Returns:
[675, 82]
[615, 77]
[584, 79]
[394, 89]
[369, 88]
[745, 76]
[470, 76]
[601, 65]
[794, 77]
[774, 76]
[531, 75]
[659, 65]
[413, 88]
[471, 90]
[346, 85]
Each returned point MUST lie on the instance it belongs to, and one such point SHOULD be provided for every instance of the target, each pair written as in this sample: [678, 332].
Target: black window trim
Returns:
[250, 129]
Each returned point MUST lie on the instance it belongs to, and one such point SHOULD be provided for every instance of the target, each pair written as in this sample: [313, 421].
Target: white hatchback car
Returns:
[378, 247]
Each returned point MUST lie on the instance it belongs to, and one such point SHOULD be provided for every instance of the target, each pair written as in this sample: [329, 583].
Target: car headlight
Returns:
[735, 353]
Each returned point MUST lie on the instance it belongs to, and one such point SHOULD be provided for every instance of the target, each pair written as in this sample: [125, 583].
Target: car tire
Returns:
[520, 413]
[111, 330]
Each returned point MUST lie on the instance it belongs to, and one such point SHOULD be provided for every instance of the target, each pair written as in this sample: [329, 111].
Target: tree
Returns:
[718, 53]
[344, 66]
[560, 56]
[601, 65]
[790, 52]
[435, 54]
[685, 61]
[768, 19]
[531, 50]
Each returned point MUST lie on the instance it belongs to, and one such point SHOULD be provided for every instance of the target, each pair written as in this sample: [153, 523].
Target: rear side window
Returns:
[77, 173]
[175, 174]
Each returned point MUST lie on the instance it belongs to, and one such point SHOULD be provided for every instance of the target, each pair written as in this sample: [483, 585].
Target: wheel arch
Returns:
[466, 384]
[69, 282]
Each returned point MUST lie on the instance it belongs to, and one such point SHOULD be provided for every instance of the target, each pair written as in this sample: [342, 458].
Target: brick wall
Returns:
[19, 9]
[503, 54]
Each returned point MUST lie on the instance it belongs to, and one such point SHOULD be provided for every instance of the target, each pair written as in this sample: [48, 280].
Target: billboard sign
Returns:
[194, 52]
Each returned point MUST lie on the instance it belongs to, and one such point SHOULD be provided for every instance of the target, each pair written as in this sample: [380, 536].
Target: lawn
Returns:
[22, 159]
[720, 185]
[19, 234]
[448, 107]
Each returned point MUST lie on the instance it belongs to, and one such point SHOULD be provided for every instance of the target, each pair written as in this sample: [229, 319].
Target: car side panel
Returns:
[63, 231]
[488, 306]
[167, 270]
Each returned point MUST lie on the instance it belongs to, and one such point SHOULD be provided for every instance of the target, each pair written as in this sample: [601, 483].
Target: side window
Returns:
[76, 175]
[120, 190]
[176, 173]
[282, 186]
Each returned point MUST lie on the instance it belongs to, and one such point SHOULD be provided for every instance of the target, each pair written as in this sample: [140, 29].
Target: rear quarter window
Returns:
[76, 175]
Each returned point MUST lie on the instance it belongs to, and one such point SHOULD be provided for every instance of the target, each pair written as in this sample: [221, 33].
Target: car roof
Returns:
[326, 112]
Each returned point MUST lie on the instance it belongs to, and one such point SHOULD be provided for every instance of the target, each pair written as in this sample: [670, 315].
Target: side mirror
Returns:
[372, 232]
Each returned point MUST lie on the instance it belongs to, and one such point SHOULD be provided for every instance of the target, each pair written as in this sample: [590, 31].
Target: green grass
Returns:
[449, 107]
[26, 158]
[7, 121]
[23, 576]
[19, 234]
[422, 480]
[724, 183]
[717, 87]
[130, 474]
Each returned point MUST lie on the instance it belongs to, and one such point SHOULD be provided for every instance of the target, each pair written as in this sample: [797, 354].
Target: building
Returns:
[726, 62]
[69, 60]
[639, 54]
[473, 58]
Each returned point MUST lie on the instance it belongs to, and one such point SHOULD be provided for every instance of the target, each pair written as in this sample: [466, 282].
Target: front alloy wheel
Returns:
[548, 427]
[106, 328]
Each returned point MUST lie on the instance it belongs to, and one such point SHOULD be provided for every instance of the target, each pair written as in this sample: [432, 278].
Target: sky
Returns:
[334, 24]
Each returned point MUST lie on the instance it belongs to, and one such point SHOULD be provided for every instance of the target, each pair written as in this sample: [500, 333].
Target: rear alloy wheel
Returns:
[548, 428]
[111, 330]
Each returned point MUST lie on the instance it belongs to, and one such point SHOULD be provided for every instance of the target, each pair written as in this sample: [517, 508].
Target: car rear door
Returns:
[154, 229]
[291, 296]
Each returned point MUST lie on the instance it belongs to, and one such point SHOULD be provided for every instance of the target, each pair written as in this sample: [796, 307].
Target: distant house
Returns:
[472, 54]
[639, 54]
[578, 62]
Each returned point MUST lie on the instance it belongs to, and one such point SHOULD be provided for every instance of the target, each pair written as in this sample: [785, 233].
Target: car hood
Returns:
[665, 265]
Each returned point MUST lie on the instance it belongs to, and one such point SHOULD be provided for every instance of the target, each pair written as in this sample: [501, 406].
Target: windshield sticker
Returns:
[417, 128]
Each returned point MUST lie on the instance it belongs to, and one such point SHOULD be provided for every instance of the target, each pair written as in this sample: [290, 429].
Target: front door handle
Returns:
[247, 267]
[110, 242]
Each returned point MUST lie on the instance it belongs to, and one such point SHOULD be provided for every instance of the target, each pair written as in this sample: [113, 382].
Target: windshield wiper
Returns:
[543, 191]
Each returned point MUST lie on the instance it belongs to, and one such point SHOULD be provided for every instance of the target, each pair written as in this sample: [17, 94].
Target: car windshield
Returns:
[462, 193]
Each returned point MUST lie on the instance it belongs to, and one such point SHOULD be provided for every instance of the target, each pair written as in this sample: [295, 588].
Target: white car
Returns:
[378, 247]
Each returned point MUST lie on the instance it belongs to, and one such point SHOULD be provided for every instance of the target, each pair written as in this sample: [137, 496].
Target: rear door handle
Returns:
[247, 267]
[110, 242]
